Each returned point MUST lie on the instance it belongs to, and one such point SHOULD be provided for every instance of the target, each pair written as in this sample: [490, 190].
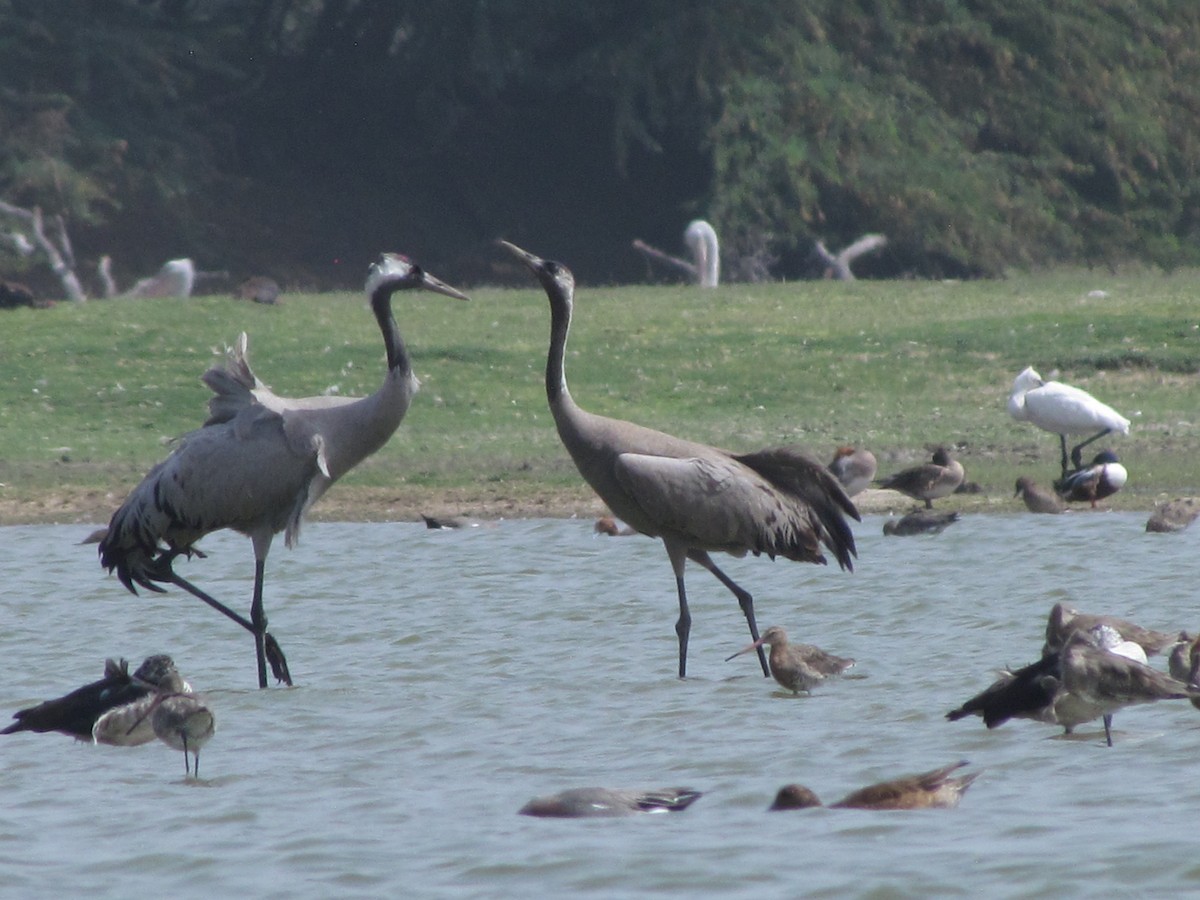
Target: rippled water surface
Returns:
[443, 678]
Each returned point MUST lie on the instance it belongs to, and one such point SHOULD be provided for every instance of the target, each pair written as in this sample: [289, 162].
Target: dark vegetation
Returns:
[296, 138]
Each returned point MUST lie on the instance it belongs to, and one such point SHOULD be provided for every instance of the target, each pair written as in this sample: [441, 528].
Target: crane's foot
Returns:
[279, 666]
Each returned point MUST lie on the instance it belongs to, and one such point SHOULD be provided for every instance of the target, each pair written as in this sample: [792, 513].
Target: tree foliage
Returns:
[977, 134]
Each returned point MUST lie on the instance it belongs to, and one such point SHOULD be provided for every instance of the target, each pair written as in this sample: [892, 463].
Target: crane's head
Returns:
[396, 272]
[555, 277]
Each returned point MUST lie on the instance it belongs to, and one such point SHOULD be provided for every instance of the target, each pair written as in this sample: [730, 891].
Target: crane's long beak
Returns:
[745, 649]
[534, 262]
[429, 283]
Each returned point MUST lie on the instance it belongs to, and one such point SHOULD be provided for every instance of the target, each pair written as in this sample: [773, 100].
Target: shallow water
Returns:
[445, 677]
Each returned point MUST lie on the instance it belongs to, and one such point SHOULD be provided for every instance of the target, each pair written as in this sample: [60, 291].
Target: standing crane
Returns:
[697, 499]
[259, 463]
[1063, 409]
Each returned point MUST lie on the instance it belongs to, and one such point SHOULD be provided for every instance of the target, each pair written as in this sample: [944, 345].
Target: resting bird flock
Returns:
[78, 712]
[1062, 409]
[697, 499]
[260, 462]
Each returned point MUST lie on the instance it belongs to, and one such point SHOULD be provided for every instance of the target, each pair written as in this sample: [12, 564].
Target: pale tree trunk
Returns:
[60, 259]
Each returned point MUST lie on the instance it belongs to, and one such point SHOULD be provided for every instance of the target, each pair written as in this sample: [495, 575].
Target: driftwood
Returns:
[60, 258]
[175, 279]
[654, 253]
[701, 239]
[839, 266]
[104, 269]
[258, 288]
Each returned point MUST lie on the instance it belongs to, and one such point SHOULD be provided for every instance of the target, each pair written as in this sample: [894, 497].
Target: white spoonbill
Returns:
[1062, 409]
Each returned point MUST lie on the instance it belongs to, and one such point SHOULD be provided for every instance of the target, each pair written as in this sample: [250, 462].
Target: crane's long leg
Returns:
[1062, 438]
[265, 644]
[1077, 453]
[1108, 728]
[259, 617]
[743, 597]
[683, 625]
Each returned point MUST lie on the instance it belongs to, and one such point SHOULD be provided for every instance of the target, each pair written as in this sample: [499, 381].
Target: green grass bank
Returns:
[92, 394]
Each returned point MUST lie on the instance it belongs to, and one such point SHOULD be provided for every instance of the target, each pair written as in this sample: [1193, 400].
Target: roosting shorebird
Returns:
[180, 719]
[260, 462]
[77, 713]
[697, 499]
[1063, 409]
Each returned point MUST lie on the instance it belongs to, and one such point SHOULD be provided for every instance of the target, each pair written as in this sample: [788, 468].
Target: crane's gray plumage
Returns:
[696, 498]
[260, 462]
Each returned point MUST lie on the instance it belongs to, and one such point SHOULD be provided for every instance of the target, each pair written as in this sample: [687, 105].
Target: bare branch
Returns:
[33, 221]
[104, 268]
[656, 254]
[839, 266]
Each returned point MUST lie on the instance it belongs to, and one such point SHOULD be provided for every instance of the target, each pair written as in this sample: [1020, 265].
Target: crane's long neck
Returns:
[560, 325]
[397, 353]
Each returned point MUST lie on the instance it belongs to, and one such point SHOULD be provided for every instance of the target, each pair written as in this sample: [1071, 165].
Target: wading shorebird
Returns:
[797, 667]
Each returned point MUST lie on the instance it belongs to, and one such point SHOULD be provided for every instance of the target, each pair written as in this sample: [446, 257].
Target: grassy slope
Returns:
[89, 394]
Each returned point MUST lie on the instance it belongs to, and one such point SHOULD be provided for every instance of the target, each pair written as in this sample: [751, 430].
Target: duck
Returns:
[1173, 516]
[1103, 478]
[1063, 620]
[929, 481]
[921, 521]
[938, 789]
[599, 802]
[854, 467]
[608, 525]
[1036, 498]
